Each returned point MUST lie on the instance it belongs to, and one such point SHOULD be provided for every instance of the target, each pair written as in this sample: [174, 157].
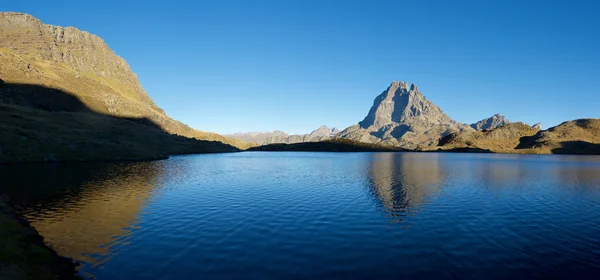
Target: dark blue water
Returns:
[322, 215]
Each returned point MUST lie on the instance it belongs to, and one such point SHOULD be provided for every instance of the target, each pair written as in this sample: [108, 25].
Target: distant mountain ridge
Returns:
[277, 136]
[400, 116]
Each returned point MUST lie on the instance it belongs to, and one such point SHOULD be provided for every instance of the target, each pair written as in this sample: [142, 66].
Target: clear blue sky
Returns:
[228, 66]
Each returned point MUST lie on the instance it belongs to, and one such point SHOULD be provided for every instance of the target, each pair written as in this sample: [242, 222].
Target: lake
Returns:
[320, 215]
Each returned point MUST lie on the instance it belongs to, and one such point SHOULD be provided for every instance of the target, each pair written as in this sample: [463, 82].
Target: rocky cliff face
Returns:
[492, 122]
[80, 63]
[85, 54]
[401, 104]
[275, 137]
[402, 116]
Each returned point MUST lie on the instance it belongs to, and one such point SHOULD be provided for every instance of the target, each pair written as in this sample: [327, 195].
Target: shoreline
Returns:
[290, 148]
[24, 254]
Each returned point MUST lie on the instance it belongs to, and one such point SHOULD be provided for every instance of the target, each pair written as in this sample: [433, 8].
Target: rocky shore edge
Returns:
[23, 253]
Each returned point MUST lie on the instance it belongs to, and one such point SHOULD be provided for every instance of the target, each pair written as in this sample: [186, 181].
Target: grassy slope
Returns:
[100, 94]
[36, 135]
[571, 137]
[503, 139]
[49, 112]
[580, 136]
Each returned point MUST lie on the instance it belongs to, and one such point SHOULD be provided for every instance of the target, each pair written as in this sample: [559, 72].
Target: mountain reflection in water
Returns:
[404, 182]
[319, 215]
[83, 210]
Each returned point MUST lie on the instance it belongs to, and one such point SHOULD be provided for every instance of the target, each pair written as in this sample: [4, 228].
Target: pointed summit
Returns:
[413, 87]
[492, 122]
[399, 104]
[402, 116]
[398, 84]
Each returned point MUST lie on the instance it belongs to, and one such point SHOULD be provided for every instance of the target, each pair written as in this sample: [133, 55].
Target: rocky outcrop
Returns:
[264, 138]
[402, 116]
[537, 126]
[81, 64]
[492, 122]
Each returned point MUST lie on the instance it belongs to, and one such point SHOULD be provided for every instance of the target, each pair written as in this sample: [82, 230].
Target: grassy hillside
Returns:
[45, 124]
[571, 137]
[81, 64]
[503, 139]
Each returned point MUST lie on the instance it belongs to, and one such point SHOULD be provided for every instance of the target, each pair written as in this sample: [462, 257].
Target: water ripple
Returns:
[321, 215]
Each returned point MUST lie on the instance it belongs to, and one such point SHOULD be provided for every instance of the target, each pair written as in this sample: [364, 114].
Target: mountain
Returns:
[263, 138]
[257, 137]
[324, 131]
[492, 122]
[55, 78]
[580, 136]
[500, 139]
[402, 116]
[572, 137]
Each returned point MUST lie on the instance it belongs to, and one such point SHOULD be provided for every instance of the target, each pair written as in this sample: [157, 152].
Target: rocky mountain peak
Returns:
[400, 103]
[324, 131]
[398, 84]
[414, 88]
[492, 122]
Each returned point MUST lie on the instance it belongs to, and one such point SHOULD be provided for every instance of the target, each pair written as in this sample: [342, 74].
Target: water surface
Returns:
[320, 215]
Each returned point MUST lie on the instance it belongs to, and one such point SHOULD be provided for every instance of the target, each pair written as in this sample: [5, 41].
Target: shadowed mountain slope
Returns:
[80, 63]
[46, 124]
